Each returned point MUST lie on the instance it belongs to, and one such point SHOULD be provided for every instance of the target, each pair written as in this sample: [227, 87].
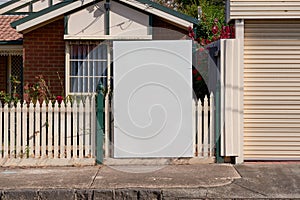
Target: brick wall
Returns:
[3, 73]
[165, 30]
[44, 54]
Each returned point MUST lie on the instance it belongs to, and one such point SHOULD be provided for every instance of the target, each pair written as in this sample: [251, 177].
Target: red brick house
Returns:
[72, 38]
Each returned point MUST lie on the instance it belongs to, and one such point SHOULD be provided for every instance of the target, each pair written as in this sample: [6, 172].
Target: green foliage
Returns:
[213, 16]
[212, 19]
[40, 91]
[12, 97]
[190, 7]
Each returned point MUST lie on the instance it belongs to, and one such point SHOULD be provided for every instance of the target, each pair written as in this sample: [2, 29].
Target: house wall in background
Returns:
[44, 50]
[163, 30]
[44, 54]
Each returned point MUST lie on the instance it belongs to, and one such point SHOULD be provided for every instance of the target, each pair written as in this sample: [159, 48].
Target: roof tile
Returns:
[7, 33]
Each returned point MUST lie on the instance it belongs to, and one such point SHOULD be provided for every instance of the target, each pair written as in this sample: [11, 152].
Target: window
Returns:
[15, 64]
[87, 67]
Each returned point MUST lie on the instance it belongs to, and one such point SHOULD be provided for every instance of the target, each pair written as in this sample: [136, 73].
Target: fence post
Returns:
[205, 125]
[211, 125]
[100, 125]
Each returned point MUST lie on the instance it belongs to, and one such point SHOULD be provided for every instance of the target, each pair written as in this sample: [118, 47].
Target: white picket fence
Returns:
[203, 114]
[38, 135]
[57, 132]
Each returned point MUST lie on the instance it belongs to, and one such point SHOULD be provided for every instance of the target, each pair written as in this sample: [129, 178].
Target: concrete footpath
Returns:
[197, 181]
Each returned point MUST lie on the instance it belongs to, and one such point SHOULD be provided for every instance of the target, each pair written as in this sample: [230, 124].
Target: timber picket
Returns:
[48, 131]
[75, 131]
[93, 126]
[62, 145]
[37, 130]
[80, 128]
[43, 133]
[55, 129]
[205, 142]
[68, 130]
[5, 131]
[24, 131]
[49, 124]
[12, 132]
[206, 131]
[199, 129]
[87, 129]
[31, 129]
[18, 129]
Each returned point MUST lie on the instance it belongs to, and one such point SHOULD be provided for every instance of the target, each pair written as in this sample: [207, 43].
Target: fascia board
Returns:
[49, 16]
[159, 13]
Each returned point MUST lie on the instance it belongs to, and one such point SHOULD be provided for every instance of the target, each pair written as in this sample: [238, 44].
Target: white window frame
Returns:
[67, 70]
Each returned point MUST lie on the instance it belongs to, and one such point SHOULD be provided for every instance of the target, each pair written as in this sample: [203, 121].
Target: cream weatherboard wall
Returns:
[258, 9]
[272, 89]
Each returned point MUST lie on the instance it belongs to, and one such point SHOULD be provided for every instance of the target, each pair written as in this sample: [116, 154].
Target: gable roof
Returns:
[7, 33]
[71, 5]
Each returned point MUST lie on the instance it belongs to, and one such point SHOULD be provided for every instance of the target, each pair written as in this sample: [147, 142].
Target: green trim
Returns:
[170, 11]
[40, 13]
[50, 3]
[150, 24]
[100, 124]
[66, 2]
[107, 16]
[66, 22]
[12, 42]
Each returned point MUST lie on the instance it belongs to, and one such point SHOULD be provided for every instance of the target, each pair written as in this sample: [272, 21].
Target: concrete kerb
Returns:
[172, 182]
[125, 193]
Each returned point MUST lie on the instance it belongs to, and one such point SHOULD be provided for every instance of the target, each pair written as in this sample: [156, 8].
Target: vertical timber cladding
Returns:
[272, 90]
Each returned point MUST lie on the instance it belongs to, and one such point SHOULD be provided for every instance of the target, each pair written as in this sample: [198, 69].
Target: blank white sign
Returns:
[152, 99]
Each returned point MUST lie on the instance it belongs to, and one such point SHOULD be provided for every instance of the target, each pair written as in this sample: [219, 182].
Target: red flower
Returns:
[214, 38]
[227, 32]
[195, 71]
[199, 78]
[191, 33]
[215, 29]
[59, 99]
[16, 95]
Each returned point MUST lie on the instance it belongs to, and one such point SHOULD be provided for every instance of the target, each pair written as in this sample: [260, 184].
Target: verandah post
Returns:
[100, 125]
